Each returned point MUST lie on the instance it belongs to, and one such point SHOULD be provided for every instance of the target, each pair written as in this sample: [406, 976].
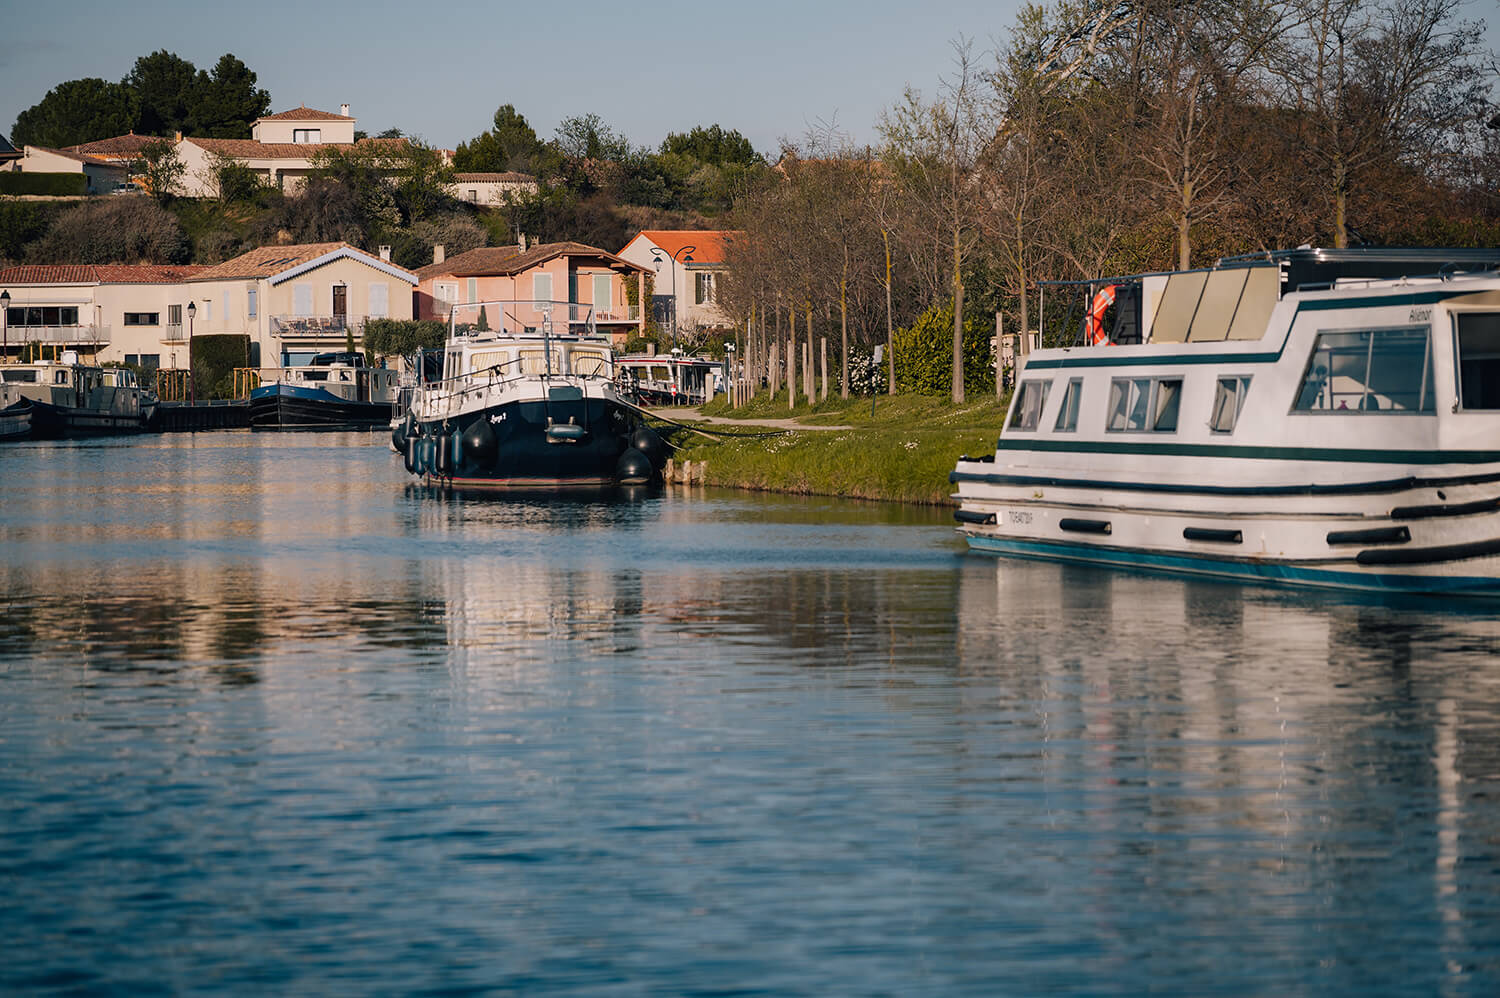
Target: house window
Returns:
[207, 310]
[307, 135]
[42, 315]
[1369, 370]
[473, 195]
[1026, 413]
[380, 300]
[1067, 413]
[132, 360]
[541, 287]
[1479, 360]
[250, 301]
[473, 289]
[1144, 404]
[150, 362]
[602, 295]
[1229, 399]
[302, 300]
[447, 293]
[703, 289]
[142, 319]
[174, 315]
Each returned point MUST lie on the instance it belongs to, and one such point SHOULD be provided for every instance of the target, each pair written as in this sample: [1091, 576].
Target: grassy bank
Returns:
[902, 453]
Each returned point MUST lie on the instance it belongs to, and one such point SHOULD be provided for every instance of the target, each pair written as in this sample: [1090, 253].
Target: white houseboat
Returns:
[1316, 417]
[331, 390]
[68, 398]
[521, 402]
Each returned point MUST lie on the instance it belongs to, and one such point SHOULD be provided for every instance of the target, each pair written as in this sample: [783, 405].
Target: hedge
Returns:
[44, 183]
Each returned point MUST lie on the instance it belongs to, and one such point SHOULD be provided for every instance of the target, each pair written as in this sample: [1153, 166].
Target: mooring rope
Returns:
[707, 433]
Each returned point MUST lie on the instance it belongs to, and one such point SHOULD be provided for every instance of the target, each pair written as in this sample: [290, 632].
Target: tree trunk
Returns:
[958, 320]
[890, 342]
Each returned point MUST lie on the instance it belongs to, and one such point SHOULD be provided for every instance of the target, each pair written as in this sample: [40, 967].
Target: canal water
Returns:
[274, 720]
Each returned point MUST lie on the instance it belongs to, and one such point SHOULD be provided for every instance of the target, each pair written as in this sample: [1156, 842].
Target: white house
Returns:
[688, 265]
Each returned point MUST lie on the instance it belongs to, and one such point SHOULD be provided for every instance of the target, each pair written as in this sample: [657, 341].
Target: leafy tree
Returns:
[586, 136]
[402, 337]
[456, 232]
[324, 211]
[511, 145]
[113, 230]
[712, 145]
[161, 169]
[76, 112]
[226, 102]
[923, 351]
[163, 84]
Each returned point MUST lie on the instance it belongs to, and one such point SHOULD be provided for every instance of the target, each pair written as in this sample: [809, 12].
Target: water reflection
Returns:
[275, 719]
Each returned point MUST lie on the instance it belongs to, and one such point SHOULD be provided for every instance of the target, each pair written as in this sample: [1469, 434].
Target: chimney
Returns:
[521, 241]
[344, 110]
[437, 253]
[385, 253]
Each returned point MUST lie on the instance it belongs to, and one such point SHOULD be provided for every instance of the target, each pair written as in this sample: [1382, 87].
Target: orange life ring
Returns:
[1103, 299]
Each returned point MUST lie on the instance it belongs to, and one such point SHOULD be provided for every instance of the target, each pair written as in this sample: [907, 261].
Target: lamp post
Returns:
[5, 325]
[729, 372]
[192, 395]
[687, 257]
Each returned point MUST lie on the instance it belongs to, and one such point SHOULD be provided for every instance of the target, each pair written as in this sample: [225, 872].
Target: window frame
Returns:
[1426, 385]
[1069, 406]
[1242, 389]
[1154, 411]
[1017, 407]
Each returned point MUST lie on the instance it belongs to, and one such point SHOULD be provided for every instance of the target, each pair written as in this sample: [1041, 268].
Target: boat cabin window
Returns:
[534, 361]
[1148, 404]
[1067, 413]
[1479, 360]
[1026, 413]
[60, 377]
[1369, 370]
[1229, 399]
[484, 360]
[28, 376]
[589, 363]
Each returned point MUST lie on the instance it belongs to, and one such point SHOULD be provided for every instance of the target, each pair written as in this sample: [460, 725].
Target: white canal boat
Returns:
[1315, 417]
[68, 398]
[521, 403]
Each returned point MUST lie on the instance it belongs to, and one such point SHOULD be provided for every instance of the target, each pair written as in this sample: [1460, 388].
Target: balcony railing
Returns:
[316, 326]
[174, 332]
[57, 334]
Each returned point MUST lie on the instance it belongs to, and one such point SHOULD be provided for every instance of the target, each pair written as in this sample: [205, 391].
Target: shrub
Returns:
[113, 230]
[214, 359]
[63, 184]
[401, 337]
[924, 354]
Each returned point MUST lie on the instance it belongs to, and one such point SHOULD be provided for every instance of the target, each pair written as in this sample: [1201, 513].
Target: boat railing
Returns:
[501, 375]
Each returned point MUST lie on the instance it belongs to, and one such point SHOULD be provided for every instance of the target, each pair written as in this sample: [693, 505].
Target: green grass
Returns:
[902, 453]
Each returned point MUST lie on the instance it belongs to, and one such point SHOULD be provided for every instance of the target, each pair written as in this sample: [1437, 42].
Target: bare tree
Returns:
[934, 148]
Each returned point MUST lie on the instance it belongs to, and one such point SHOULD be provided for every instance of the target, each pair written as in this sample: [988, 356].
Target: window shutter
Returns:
[302, 299]
[380, 300]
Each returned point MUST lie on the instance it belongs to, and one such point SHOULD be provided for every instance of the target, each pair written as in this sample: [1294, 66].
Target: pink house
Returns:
[585, 276]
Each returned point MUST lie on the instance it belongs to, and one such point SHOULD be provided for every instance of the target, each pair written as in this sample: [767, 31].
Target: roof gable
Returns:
[282, 263]
[305, 113]
[708, 246]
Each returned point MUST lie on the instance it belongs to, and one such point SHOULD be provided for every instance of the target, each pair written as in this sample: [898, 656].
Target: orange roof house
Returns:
[688, 264]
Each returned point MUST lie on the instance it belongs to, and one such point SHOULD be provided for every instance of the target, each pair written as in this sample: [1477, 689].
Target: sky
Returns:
[773, 69]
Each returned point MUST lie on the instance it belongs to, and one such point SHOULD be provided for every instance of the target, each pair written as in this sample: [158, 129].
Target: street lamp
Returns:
[192, 311]
[687, 257]
[5, 325]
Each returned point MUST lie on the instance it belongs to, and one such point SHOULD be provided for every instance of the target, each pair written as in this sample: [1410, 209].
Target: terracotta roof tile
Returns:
[89, 273]
[120, 145]
[507, 261]
[495, 178]
[268, 260]
[79, 157]
[305, 113]
[251, 149]
[709, 245]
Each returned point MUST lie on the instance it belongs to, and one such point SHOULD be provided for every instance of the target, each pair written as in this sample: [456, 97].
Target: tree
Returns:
[163, 85]
[712, 145]
[113, 230]
[586, 136]
[76, 112]
[160, 169]
[934, 149]
[226, 102]
[511, 145]
[1375, 82]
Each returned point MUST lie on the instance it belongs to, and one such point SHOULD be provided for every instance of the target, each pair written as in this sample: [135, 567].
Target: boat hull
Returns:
[52, 422]
[15, 421]
[295, 407]
[1413, 534]
[523, 444]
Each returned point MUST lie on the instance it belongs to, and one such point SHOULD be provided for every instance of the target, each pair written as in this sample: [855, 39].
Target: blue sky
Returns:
[772, 69]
